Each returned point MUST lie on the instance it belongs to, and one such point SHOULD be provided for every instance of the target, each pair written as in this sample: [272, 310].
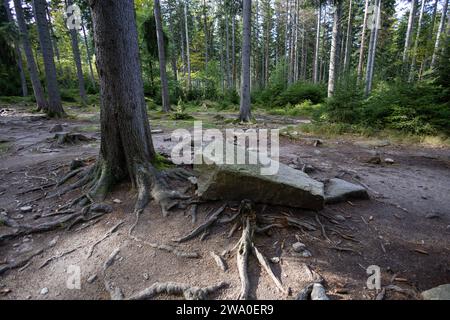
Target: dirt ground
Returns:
[404, 228]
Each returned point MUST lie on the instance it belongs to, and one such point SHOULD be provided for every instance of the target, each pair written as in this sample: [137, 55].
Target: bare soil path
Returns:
[404, 228]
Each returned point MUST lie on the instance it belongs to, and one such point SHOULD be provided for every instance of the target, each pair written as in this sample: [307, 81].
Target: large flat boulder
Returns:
[441, 292]
[287, 187]
[338, 190]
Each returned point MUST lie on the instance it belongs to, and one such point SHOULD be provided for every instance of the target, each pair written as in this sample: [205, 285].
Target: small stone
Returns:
[92, 278]
[26, 239]
[299, 247]
[339, 217]
[44, 291]
[28, 297]
[18, 216]
[275, 260]
[389, 161]
[318, 292]
[145, 275]
[76, 164]
[56, 128]
[117, 201]
[306, 254]
[26, 208]
[53, 242]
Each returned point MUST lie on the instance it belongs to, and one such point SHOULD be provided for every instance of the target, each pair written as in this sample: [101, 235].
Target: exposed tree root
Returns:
[203, 227]
[86, 214]
[219, 261]
[172, 288]
[243, 251]
[20, 262]
[164, 247]
[114, 291]
[46, 262]
[106, 235]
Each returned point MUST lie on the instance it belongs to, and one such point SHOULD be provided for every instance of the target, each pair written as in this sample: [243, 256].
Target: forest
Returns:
[98, 96]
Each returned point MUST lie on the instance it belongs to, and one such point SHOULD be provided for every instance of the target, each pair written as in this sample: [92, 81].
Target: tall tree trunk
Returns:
[31, 63]
[409, 32]
[205, 30]
[126, 150]
[54, 98]
[233, 48]
[412, 70]
[440, 32]
[348, 40]
[245, 113]
[372, 47]
[334, 47]
[316, 47]
[77, 58]
[88, 55]
[18, 52]
[227, 52]
[363, 42]
[187, 46]
[162, 58]
[54, 41]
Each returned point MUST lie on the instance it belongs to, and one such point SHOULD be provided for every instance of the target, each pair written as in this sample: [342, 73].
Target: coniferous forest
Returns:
[100, 99]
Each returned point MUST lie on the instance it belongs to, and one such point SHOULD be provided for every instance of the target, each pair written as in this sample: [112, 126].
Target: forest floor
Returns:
[404, 228]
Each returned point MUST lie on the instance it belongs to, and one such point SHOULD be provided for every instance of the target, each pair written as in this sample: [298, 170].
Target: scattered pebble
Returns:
[26, 208]
[92, 278]
[275, 260]
[18, 216]
[389, 161]
[299, 247]
[339, 217]
[145, 275]
[306, 254]
[53, 242]
[117, 201]
[44, 291]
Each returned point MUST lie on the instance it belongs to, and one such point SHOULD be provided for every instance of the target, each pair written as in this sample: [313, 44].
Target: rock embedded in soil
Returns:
[318, 292]
[44, 291]
[26, 209]
[287, 187]
[299, 247]
[92, 278]
[441, 292]
[56, 128]
[338, 190]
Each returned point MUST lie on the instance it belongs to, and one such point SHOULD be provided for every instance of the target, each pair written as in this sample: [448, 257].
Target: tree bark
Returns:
[372, 47]
[416, 44]
[316, 49]
[162, 58]
[88, 55]
[18, 52]
[54, 107]
[440, 32]
[187, 46]
[348, 40]
[334, 47]
[363, 42]
[412, 13]
[245, 113]
[31, 63]
[77, 58]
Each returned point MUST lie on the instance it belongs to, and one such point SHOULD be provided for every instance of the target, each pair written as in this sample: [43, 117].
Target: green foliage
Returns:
[300, 92]
[180, 112]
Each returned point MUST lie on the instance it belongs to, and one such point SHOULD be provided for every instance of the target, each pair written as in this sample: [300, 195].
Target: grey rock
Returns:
[288, 187]
[275, 260]
[338, 190]
[441, 292]
[306, 254]
[389, 161]
[339, 217]
[26, 208]
[56, 128]
[92, 278]
[44, 291]
[298, 247]
[318, 292]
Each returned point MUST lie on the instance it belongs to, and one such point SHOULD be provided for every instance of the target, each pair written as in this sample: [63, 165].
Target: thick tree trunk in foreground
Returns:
[18, 52]
[54, 107]
[77, 59]
[126, 150]
[31, 63]
[162, 58]
[334, 47]
[440, 32]
[245, 114]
